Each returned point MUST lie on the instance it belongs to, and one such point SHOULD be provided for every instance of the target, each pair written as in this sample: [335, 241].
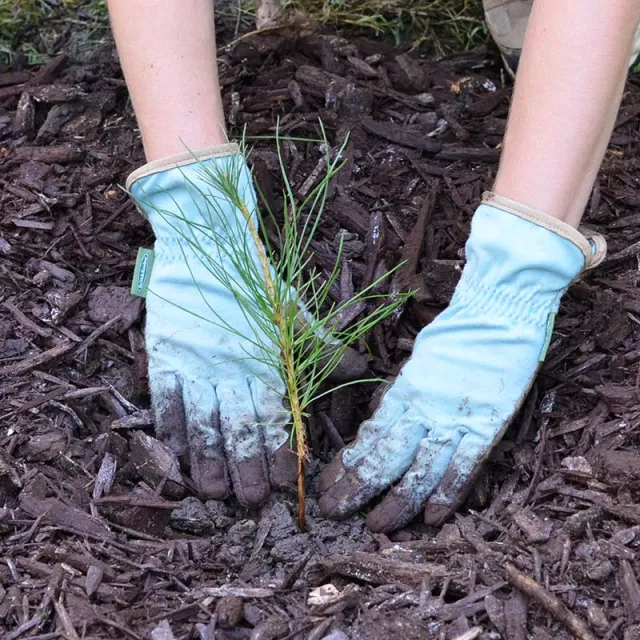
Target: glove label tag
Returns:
[551, 320]
[142, 273]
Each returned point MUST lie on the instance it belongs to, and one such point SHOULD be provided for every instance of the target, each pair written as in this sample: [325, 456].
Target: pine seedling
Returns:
[284, 299]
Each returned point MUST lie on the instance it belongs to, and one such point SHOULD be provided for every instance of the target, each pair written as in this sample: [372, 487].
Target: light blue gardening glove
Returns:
[469, 373]
[218, 404]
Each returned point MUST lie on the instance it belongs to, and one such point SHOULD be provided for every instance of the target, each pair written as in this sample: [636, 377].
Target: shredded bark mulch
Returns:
[103, 538]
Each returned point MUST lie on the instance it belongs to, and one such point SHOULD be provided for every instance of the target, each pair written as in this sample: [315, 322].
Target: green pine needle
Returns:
[284, 301]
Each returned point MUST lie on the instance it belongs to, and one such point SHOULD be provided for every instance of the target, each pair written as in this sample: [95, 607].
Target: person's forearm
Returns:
[568, 90]
[167, 49]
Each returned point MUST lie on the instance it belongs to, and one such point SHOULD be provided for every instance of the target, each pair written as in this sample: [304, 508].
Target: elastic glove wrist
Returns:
[592, 245]
[184, 160]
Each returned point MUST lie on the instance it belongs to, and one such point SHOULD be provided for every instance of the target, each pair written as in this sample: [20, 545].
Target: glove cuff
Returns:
[181, 159]
[185, 194]
[592, 245]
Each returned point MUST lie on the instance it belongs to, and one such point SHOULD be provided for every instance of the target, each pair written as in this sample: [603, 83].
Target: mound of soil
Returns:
[103, 538]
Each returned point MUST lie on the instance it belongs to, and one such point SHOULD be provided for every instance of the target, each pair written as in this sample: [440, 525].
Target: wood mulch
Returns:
[100, 539]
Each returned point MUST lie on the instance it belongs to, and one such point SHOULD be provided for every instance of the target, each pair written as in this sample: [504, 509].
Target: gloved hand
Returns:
[469, 372]
[216, 402]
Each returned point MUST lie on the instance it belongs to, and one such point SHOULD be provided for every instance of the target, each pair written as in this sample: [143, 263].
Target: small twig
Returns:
[628, 252]
[68, 410]
[137, 502]
[24, 321]
[291, 576]
[112, 217]
[24, 627]
[614, 627]
[135, 534]
[261, 536]
[119, 397]
[165, 478]
[83, 249]
[119, 627]
[472, 634]
[89, 392]
[547, 404]
[94, 335]
[52, 395]
[413, 247]
[50, 593]
[491, 523]
[238, 592]
[65, 619]
[18, 368]
[550, 603]
[35, 526]
[293, 25]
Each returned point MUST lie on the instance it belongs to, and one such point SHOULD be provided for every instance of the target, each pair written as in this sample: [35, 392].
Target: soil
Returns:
[102, 539]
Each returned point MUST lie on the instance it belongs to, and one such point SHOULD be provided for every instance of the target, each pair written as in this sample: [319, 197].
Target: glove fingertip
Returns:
[169, 417]
[253, 497]
[331, 474]
[437, 514]
[284, 468]
[211, 483]
[344, 498]
[391, 514]
[329, 508]
[250, 483]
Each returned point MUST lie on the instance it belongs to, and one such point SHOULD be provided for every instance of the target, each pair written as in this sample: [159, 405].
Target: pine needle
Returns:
[285, 302]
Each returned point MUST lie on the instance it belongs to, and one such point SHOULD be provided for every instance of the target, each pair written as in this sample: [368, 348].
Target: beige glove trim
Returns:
[181, 159]
[592, 245]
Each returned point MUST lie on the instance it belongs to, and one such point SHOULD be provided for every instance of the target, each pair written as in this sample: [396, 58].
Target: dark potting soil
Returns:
[103, 538]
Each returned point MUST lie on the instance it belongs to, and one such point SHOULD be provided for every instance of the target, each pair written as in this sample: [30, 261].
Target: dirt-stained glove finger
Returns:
[206, 448]
[274, 422]
[406, 498]
[284, 468]
[346, 496]
[332, 473]
[168, 409]
[250, 480]
[463, 469]
[388, 414]
[244, 445]
[388, 459]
